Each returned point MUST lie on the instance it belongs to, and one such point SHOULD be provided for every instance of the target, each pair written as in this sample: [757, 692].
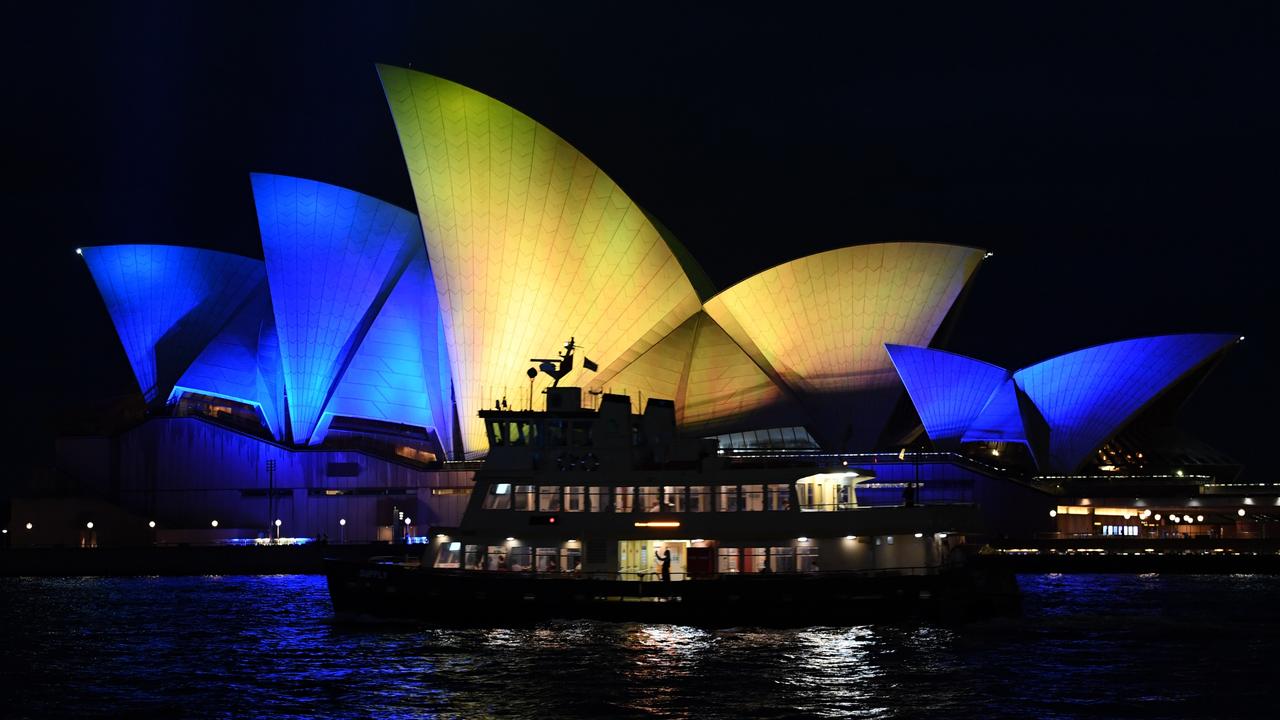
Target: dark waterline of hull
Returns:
[1083, 646]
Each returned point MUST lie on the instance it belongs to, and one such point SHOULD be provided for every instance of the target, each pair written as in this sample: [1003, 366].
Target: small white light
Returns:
[988, 256]
[1239, 512]
[995, 451]
[511, 539]
[5, 531]
[278, 523]
[1174, 518]
[850, 537]
[214, 523]
[1199, 518]
[919, 535]
[696, 540]
[942, 536]
[28, 526]
[80, 251]
[802, 539]
[1053, 513]
[89, 524]
[441, 536]
[408, 521]
[342, 521]
[151, 524]
[1157, 516]
[1241, 337]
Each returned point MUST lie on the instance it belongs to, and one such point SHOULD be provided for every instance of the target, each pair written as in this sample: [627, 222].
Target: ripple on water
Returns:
[1086, 646]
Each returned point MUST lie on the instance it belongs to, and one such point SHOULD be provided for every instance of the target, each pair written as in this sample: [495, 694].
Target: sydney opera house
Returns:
[335, 382]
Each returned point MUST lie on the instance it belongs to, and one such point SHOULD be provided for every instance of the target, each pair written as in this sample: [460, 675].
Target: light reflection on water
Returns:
[1086, 646]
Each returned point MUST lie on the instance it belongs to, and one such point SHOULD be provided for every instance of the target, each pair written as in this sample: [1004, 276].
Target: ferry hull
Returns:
[445, 597]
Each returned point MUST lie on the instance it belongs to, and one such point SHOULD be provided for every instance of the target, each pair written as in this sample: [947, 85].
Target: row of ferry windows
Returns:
[516, 558]
[548, 433]
[643, 498]
[519, 558]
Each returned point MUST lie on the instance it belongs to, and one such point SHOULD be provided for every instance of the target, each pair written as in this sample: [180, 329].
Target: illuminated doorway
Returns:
[637, 559]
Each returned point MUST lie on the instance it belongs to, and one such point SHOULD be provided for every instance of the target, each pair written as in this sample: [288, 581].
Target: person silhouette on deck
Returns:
[664, 557]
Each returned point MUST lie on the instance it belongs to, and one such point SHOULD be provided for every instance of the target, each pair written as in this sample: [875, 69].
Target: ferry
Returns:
[610, 514]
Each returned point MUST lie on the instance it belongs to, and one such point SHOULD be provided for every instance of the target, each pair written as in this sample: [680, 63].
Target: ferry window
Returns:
[807, 558]
[496, 558]
[499, 497]
[520, 557]
[700, 498]
[571, 559]
[472, 558]
[449, 555]
[496, 436]
[549, 498]
[573, 498]
[523, 499]
[779, 497]
[555, 436]
[548, 560]
[517, 433]
[623, 499]
[753, 497]
[782, 559]
[650, 499]
[580, 434]
[729, 561]
[598, 499]
[673, 498]
[753, 559]
[728, 499]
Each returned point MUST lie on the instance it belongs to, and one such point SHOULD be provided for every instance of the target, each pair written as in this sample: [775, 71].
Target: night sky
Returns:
[1119, 162]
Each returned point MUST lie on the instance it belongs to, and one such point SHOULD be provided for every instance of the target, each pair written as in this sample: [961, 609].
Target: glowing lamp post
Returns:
[277, 524]
[342, 530]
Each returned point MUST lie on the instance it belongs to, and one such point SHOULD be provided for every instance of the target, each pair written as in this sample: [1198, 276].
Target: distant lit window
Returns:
[807, 558]
[473, 558]
[753, 498]
[548, 559]
[599, 498]
[650, 499]
[753, 559]
[574, 498]
[449, 556]
[623, 499]
[779, 497]
[673, 498]
[729, 560]
[549, 498]
[782, 559]
[523, 497]
[499, 497]
[728, 499]
[520, 558]
[700, 499]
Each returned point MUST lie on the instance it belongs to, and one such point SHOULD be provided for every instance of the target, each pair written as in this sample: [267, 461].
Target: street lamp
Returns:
[89, 525]
[277, 524]
[28, 526]
[151, 524]
[342, 530]
[214, 523]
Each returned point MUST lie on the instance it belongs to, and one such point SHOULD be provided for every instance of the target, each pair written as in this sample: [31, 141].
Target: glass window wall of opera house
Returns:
[332, 387]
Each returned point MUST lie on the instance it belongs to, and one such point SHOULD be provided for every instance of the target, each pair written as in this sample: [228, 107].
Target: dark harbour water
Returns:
[1086, 646]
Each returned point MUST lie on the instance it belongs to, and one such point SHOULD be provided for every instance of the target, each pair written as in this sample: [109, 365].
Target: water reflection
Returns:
[240, 646]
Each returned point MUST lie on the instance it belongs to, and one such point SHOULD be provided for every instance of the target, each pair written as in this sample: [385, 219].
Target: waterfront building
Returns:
[336, 384]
